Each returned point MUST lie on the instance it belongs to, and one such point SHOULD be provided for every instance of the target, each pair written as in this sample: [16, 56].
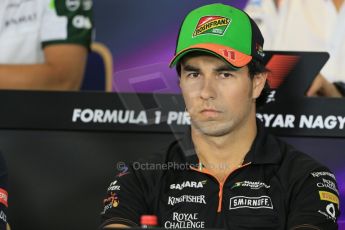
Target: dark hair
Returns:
[255, 67]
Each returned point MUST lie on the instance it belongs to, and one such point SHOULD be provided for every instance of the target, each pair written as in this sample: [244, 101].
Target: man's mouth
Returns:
[210, 112]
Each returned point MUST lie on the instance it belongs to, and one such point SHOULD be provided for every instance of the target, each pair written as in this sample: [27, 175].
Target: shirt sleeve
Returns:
[126, 198]
[3, 193]
[66, 21]
[315, 202]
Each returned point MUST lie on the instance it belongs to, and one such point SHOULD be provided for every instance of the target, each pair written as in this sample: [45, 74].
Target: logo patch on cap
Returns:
[216, 25]
[259, 50]
[228, 54]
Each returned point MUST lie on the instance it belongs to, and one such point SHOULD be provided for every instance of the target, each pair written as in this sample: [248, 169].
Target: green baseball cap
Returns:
[222, 30]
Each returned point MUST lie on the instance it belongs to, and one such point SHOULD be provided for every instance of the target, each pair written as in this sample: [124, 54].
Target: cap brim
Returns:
[233, 57]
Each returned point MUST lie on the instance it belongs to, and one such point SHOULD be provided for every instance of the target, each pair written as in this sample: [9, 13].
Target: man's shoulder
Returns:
[295, 156]
[296, 165]
[70, 7]
[72, 22]
[292, 155]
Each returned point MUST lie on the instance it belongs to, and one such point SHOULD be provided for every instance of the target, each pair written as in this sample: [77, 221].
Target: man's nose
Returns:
[208, 90]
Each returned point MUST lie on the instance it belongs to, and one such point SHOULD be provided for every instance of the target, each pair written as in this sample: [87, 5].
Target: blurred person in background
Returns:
[44, 43]
[308, 25]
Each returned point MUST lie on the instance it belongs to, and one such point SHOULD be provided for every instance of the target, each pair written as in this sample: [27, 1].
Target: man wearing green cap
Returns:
[227, 172]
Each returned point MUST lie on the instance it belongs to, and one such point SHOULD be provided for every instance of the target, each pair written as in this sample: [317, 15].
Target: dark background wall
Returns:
[58, 179]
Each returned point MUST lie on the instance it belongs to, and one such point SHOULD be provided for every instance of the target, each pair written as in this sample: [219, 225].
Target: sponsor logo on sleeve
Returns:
[184, 220]
[113, 186]
[72, 5]
[329, 213]
[111, 202]
[81, 22]
[87, 5]
[251, 202]
[186, 199]
[3, 216]
[3, 197]
[188, 184]
[328, 184]
[328, 196]
[251, 184]
[321, 174]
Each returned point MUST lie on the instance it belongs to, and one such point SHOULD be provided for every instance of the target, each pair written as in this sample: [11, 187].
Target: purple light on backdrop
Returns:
[340, 175]
[153, 78]
[151, 59]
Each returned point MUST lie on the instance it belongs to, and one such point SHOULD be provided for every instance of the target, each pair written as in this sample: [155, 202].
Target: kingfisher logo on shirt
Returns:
[188, 184]
[216, 25]
[186, 199]
[250, 202]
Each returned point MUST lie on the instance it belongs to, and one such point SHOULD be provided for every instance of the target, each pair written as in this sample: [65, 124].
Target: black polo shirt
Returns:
[277, 187]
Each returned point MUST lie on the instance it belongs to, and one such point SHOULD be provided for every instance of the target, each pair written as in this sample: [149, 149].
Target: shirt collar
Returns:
[264, 150]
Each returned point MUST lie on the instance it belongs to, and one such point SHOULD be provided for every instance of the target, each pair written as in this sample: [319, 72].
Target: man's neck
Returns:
[222, 155]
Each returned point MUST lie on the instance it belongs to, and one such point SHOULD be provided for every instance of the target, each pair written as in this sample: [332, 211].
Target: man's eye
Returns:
[226, 75]
[193, 75]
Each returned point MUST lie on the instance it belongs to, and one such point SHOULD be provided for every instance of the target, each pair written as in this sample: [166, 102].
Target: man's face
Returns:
[218, 98]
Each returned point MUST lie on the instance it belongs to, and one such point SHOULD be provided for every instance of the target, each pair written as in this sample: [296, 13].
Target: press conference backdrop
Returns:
[62, 148]
[142, 56]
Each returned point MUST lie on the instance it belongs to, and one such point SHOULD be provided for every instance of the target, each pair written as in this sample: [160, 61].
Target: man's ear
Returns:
[259, 81]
